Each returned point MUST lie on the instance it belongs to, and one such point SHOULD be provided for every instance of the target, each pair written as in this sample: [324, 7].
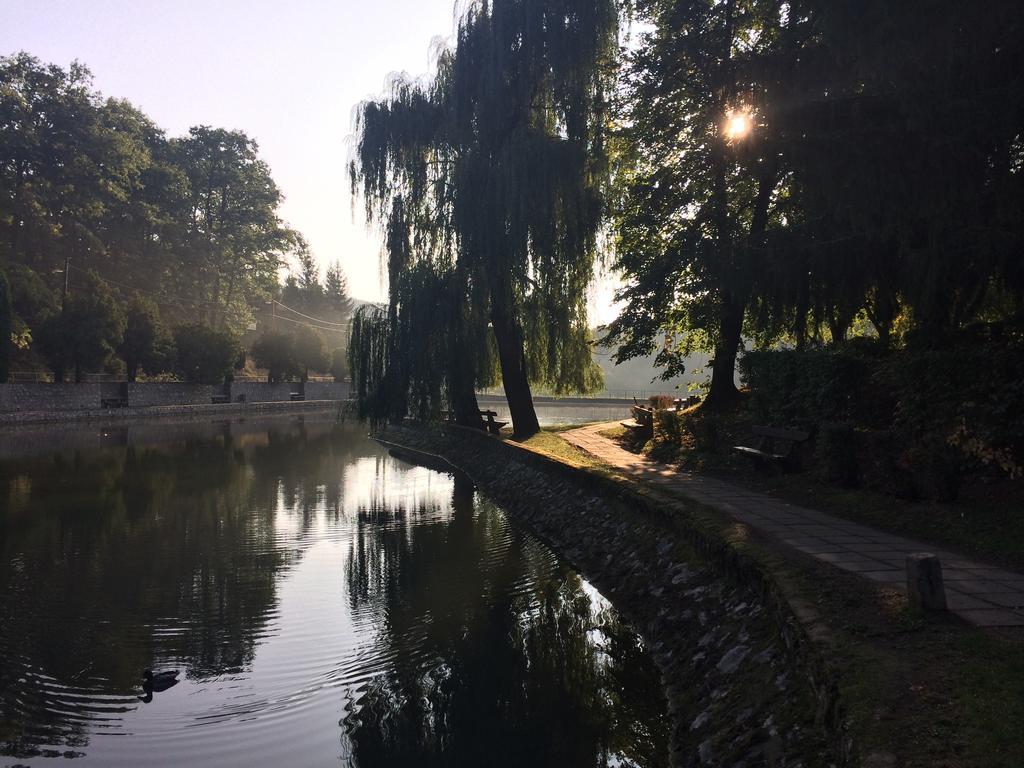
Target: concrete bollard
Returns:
[924, 582]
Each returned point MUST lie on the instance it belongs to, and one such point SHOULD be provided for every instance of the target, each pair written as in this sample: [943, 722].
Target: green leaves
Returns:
[491, 177]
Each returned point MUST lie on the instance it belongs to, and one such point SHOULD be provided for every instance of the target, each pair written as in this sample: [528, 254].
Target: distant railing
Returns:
[604, 394]
[40, 376]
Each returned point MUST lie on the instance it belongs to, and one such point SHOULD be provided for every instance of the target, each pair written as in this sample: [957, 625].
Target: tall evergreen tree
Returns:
[339, 303]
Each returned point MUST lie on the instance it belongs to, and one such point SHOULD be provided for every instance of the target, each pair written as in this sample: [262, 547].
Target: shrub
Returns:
[836, 453]
[788, 386]
[967, 396]
[704, 426]
[339, 365]
[205, 355]
[661, 402]
[146, 343]
[275, 351]
[946, 408]
[309, 350]
[668, 426]
[85, 335]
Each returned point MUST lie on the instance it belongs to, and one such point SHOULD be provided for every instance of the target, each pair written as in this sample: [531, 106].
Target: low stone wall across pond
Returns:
[45, 397]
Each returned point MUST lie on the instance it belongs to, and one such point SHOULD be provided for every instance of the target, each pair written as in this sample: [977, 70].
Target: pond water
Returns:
[325, 604]
[549, 414]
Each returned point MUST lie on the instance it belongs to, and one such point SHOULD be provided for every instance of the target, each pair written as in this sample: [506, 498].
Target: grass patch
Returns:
[551, 444]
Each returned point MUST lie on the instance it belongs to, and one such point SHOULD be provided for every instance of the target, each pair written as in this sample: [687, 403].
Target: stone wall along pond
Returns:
[734, 692]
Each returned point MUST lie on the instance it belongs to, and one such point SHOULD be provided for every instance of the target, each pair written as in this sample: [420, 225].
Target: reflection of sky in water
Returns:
[326, 603]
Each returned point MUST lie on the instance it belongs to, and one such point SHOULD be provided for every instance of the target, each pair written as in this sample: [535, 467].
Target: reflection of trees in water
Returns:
[495, 659]
[115, 558]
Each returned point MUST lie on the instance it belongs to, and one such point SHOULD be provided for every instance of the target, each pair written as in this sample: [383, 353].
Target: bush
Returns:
[944, 410]
[705, 427]
[661, 402]
[788, 386]
[836, 453]
[205, 355]
[146, 343]
[309, 350]
[290, 355]
[668, 426]
[339, 365]
[967, 396]
[85, 335]
[275, 351]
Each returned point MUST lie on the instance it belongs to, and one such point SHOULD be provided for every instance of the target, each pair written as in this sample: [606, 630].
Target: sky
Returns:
[287, 72]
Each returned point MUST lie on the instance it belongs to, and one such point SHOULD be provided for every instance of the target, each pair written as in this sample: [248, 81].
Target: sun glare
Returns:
[737, 125]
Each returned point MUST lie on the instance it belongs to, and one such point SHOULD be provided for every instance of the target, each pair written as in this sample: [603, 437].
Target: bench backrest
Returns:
[643, 415]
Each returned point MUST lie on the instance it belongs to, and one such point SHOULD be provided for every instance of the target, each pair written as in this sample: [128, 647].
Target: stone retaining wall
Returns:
[263, 392]
[326, 390]
[40, 397]
[45, 396]
[339, 409]
[742, 681]
[150, 393]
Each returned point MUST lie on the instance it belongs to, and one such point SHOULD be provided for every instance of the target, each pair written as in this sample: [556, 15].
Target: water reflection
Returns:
[313, 590]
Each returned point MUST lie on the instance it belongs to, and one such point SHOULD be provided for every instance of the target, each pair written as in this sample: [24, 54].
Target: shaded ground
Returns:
[918, 690]
[985, 521]
[977, 591]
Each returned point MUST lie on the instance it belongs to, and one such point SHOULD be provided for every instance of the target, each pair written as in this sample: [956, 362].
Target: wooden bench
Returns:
[296, 396]
[493, 427]
[114, 402]
[775, 445]
[642, 422]
[220, 399]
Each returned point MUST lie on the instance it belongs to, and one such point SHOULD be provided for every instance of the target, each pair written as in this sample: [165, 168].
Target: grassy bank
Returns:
[918, 690]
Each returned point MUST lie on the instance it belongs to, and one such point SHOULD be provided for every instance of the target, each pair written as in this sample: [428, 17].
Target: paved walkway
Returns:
[980, 593]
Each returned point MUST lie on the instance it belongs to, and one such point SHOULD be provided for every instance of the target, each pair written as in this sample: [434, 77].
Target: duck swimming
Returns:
[156, 683]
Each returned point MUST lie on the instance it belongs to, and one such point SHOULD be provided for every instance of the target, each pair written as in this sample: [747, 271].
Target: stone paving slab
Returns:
[976, 591]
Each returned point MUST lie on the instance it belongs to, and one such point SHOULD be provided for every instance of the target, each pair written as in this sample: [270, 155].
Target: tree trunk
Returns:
[723, 392]
[78, 373]
[461, 389]
[133, 372]
[837, 326]
[509, 337]
[460, 372]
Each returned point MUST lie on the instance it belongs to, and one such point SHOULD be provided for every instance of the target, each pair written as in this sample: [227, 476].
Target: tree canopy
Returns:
[489, 180]
[788, 170]
[176, 229]
[92, 183]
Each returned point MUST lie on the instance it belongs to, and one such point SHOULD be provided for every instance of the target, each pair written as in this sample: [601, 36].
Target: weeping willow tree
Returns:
[492, 175]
